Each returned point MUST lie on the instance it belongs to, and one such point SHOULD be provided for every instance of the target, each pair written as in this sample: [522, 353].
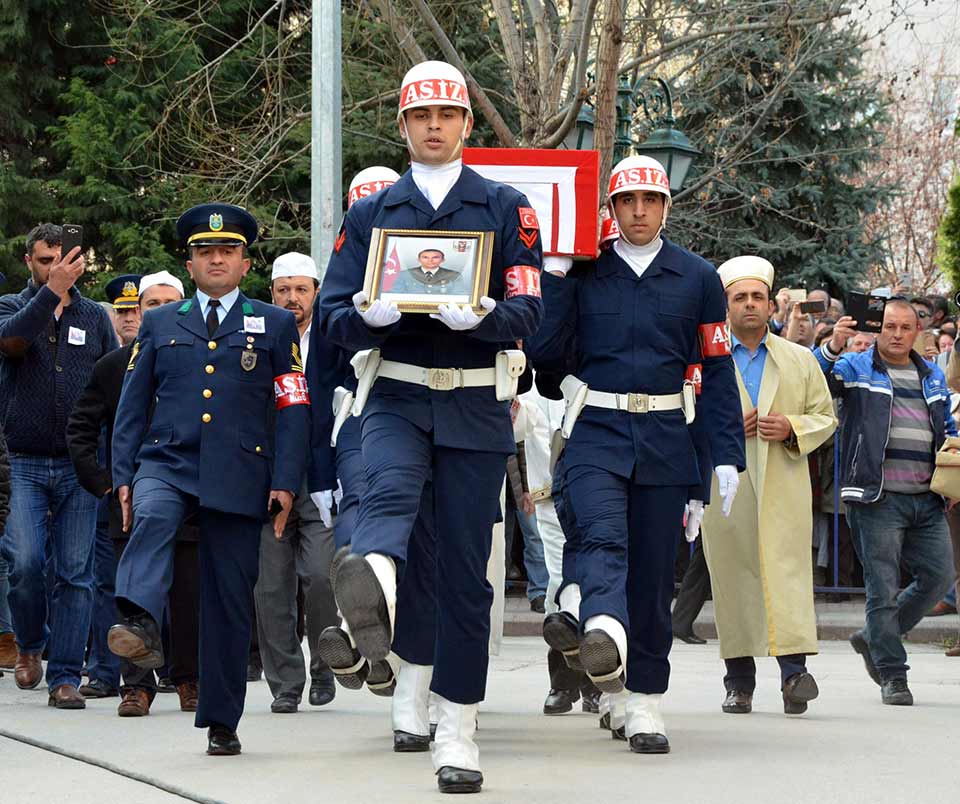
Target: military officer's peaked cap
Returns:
[216, 225]
[123, 291]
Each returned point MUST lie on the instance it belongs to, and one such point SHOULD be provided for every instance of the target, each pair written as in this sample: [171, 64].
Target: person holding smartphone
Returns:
[50, 337]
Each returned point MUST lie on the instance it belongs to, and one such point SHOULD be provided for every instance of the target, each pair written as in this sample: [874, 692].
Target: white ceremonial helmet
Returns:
[294, 263]
[369, 181]
[640, 174]
[433, 83]
[746, 267]
[609, 230]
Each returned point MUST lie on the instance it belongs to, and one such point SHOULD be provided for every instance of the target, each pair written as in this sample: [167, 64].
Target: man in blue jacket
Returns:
[438, 414]
[895, 417]
[226, 444]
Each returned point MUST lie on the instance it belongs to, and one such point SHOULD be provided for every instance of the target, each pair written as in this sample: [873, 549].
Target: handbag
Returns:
[946, 473]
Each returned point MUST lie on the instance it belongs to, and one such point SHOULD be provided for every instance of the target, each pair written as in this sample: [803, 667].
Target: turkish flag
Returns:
[391, 270]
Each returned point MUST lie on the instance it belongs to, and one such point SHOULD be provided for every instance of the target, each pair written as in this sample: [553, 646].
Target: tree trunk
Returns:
[608, 62]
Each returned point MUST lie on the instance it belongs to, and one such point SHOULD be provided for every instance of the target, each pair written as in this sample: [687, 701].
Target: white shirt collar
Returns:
[638, 257]
[435, 181]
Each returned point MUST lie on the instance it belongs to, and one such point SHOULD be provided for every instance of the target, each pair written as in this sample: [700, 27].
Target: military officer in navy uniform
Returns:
[224, 445]
[437, 414]
[430, 276]
[632, 320]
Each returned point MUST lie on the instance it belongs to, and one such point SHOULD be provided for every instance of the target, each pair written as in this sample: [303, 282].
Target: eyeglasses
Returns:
[923, 314]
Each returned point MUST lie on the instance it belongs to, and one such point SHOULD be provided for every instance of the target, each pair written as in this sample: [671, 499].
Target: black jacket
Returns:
[4, 482]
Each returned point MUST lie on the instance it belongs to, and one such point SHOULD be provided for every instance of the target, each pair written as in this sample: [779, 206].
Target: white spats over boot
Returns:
[645, 728]
[410, 708]
[603, 652]
[366, 592]
[570, 600]
[618, 714]
[454, 745]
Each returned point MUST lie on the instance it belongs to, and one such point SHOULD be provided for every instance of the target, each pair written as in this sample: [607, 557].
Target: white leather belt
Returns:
[437, 379]
[634, 403]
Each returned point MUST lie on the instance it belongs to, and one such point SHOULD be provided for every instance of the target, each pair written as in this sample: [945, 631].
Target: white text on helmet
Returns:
[368, 188]
[433, 89]
[639, 175]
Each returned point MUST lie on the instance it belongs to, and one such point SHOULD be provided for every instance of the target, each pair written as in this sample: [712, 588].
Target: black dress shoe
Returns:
[165, 685]
[322, 689]
[601, 660]
[797, 690]
[590, 703]
[363, 606]
[619, 734]
[649, 744]
[690, 638]
[348, 666]
[98, 689]
[458, 780]
[285, 704]
[406, 743]
[254, 668]
[380, 679]
[859, 643]
[561, 631]
[559, 702]
[738, 702]
[137, 639]
[895, 692]
[539, 604]
[222, 742]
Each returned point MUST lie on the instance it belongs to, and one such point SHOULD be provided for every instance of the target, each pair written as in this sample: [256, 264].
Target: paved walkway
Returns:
[848, 749]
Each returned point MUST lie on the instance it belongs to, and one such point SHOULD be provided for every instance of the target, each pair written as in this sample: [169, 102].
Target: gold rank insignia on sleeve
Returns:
[296, 362]
[133, 355]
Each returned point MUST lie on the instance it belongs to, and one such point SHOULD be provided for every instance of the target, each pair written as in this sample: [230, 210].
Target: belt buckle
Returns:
[441, 379]
[638, 403]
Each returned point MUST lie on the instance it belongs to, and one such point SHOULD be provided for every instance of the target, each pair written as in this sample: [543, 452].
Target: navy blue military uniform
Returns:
[230, 423]
[628, 476]
[416, 619]
[411, 433]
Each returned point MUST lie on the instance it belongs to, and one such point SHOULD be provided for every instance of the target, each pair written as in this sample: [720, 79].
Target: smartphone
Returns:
[71, 237]
[867, 309]
[813, 307]
[796, 295]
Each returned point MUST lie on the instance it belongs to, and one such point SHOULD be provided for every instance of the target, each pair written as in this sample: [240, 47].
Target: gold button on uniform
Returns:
[211, 345]
[207, 393]
[173, 341]
[207, 418]
[209, 369]
[259, 448]
[250, 339]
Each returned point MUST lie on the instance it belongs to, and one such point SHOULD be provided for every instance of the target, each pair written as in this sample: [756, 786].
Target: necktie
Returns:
[213, 321]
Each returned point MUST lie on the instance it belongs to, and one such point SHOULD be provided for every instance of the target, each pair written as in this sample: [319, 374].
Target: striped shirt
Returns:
[908, 460]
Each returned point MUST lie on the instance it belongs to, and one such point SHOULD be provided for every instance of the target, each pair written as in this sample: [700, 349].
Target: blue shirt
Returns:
[226, 302]
[750, 365]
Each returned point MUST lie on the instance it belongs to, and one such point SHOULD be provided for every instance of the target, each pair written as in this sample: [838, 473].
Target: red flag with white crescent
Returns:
[391, 270]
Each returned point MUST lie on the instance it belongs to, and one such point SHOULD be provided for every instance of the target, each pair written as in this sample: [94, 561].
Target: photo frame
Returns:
[420, 269]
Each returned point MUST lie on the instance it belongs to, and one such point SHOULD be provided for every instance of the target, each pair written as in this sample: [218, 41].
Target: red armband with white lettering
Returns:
[291, 389]
[695, 375]
[714, 341]
[521, 280]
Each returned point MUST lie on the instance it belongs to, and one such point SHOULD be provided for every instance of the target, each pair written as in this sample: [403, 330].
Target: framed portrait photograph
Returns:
[420, 269]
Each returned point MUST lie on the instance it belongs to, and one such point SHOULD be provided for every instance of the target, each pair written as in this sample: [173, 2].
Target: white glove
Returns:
[324, 502]
[558, 265]
[338, 493]
[379, 314]
[693, 514]
[462, 317]
[728, 479]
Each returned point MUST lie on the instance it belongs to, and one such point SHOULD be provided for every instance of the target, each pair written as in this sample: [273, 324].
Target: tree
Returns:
[948, 236]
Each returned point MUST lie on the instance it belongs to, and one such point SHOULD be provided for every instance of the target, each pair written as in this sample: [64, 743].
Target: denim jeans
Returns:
[6, 621]
[533, 559]
[40, 485]
[102, 664]
[911, 528]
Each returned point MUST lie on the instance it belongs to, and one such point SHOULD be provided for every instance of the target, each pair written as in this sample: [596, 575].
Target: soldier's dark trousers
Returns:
[568, 524]
[399, 459]
[350, 472]
[229, 550]
[625, 564]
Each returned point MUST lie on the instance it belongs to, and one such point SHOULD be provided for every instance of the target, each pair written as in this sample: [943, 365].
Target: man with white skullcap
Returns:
[759, 557]
[416, 424]
[627, 326]
[302, 557]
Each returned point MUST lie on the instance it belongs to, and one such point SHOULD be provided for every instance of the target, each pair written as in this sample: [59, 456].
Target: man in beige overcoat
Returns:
[759, 557]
